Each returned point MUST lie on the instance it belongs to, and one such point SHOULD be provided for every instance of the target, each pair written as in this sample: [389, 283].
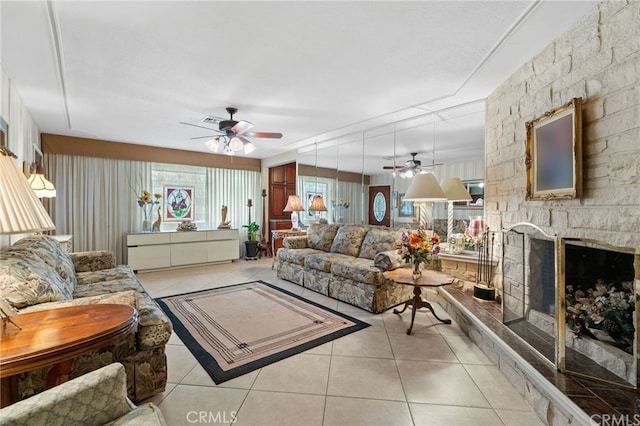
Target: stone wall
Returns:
[598, 60]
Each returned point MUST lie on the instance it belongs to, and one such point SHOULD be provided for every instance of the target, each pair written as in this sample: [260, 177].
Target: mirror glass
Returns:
[449, 143]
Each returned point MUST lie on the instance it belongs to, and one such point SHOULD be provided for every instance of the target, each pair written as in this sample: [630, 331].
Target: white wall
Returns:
[23, 132]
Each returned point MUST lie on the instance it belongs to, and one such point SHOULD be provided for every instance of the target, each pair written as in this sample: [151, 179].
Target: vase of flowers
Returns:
[417, 248]
[146, 203]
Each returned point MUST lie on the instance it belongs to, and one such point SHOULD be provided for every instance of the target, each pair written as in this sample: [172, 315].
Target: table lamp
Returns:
[454, 190]
[294, 205]
[424, 187]
[20, 210]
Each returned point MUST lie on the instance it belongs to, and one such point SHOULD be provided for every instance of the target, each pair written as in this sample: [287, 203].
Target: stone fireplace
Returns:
[588, 326]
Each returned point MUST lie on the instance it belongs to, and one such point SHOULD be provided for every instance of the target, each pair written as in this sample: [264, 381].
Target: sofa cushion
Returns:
[322, 261]
[120, 272]
[296, 256]
[25, 279]
[348, 239]
[358, 269]
[52, 253]
[379, 239]
[120, 298]
[103, 287]
[320, 236]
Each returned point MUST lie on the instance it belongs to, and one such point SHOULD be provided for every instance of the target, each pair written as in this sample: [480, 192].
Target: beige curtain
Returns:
[96, 200]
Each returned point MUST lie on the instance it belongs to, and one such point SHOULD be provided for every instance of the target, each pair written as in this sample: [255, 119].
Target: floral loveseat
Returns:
[36, 273]
[346, 262]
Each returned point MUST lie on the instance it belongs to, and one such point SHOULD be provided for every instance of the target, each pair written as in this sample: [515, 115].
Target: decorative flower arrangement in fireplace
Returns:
[606, 308]
[418, 248]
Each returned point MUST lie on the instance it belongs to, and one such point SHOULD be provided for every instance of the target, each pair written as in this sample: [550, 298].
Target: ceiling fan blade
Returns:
[241, 127]
[201, 127]
[269, 135]
[204, 137]
[392, 167]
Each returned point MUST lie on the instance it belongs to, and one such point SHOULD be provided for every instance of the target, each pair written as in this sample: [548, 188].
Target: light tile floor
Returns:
[377, 376]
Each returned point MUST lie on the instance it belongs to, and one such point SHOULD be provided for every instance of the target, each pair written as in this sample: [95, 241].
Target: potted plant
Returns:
[252, 240]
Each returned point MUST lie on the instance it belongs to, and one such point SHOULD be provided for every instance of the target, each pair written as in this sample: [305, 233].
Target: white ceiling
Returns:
[315, 71]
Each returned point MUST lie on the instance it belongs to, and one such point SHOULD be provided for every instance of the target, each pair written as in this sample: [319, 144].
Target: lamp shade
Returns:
[294, 204]
[317, 204]
[454, 190]
[41, 186]
[20, 210]
[424, 187]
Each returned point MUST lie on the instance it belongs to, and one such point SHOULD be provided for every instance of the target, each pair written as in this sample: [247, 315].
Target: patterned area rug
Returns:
[237, 329]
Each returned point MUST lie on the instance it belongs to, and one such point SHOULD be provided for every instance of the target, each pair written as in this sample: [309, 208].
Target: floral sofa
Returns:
[36, 273]
[346, 262]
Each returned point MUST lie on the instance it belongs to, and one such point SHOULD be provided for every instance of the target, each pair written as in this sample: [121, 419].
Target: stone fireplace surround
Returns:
[598, 59]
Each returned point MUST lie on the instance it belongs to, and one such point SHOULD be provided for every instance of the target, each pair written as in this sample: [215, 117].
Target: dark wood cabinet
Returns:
[282, 183]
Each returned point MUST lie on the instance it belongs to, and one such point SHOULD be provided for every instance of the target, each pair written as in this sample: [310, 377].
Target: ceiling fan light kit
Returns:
[231, 134]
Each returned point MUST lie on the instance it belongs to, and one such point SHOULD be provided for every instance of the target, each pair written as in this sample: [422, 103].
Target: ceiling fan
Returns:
[231, 134]
[411, 167]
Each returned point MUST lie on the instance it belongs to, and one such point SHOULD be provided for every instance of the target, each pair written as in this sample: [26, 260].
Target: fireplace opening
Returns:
[600, 299]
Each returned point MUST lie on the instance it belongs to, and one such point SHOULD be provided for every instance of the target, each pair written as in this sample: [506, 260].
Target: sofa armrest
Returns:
[388, 260]
[95, 398]
[297, 242]
[89, 261]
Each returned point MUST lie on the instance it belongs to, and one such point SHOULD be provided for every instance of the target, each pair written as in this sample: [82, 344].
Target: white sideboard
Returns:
[168, 249]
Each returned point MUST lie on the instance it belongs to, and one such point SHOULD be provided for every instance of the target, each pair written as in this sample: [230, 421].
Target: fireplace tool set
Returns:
[484, 289]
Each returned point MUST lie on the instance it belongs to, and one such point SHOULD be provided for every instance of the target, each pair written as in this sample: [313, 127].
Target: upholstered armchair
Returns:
[96, 398]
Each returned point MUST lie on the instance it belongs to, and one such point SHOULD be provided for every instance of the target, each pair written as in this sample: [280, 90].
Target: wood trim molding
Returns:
[324, 172]
[70, 145]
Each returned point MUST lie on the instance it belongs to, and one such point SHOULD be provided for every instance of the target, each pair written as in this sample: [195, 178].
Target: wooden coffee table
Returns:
[57, 337]
[428, 279]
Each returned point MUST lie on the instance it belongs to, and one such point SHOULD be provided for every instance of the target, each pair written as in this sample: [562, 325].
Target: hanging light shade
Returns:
[317, 204]
[236, 144]
[212, 144]
[20, 210]
[425, 187]
[249, 147]
[454, 190]
[41, 186]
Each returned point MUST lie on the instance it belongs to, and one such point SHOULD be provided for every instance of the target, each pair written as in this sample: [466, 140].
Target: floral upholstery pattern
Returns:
[317, 281]
[338, 272]
[96, 398]
[290, 271]
[379, 239]
[388, 260]
[322, 261]
[120, 298]
[375, 299]
[102, 287]
[348, 239]
[31, 283]
[296, 242]
[296, 256]
[320, 236]
[50, 250]
[153, 328]
[118, 273]
[358, 269]
[88, 261]
[25, 280]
